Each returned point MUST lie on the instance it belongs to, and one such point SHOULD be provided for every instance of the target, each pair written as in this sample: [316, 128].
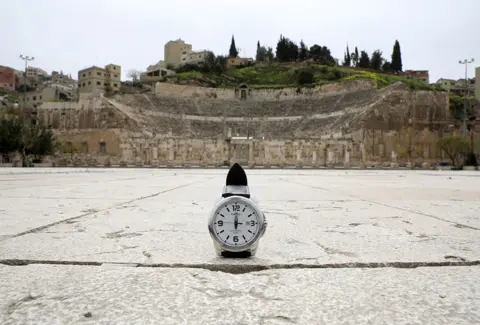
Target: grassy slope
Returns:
[285, 75]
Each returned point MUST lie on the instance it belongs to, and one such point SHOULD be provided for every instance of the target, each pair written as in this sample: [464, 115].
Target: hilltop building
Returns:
[421, 75]
[96, 78]
[7, 79]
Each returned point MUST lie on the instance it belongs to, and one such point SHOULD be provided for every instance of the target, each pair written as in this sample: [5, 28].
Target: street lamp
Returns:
[466, 62]
[26, 59]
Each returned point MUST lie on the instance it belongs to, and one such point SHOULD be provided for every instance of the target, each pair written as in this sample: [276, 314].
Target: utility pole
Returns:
[26, 59]
[466, 62]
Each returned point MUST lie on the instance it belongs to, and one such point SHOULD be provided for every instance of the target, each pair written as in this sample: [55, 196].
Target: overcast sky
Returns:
[70, 35]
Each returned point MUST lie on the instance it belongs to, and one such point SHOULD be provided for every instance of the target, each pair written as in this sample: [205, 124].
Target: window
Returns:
[40, 97]
[98, 83]
[104, 74]
[114, 68]
[83, 84]
[34, 98]
[105, 84]
[102, 147]
[90, 73]
[83, 75]
[116, 76]
[99, 74]
[115, 85]
[89, 82]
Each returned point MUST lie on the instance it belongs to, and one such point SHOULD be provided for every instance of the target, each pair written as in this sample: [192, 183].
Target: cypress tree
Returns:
[233, 52]
[397, 65]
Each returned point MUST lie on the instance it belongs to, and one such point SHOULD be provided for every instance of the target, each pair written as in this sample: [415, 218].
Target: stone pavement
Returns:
[131, 246]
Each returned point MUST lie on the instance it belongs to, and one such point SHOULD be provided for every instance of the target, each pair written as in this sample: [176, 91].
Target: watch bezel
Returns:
[258, 212]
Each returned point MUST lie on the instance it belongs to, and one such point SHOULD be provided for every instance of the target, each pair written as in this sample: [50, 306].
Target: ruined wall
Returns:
[183, 91]
[344, 125]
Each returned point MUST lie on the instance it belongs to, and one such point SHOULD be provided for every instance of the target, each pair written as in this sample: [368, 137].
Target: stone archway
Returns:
[242, 91]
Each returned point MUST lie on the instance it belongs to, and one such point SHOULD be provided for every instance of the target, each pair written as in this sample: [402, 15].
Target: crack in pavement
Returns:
[250, 268]
[456, 224]
[356, 198]
[38, 229]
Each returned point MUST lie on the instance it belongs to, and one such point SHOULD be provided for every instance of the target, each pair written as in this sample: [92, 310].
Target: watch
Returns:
[236, 223]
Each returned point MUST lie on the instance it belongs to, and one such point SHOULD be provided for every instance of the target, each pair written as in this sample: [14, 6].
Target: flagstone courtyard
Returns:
[131, 246]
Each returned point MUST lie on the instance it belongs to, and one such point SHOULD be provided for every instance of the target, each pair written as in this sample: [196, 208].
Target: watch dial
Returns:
[236, 223]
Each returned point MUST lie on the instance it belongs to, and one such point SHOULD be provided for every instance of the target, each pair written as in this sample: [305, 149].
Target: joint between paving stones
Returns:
[248, 268]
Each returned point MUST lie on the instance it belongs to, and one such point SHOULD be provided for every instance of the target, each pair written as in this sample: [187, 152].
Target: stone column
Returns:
[267, 156]
[331, 158]
[394, 163]
[171, 153]
[251, 160]
[154, 162]
[346, 161]
[299, 162]
[314, 158]
[363, 154]
[187, 160]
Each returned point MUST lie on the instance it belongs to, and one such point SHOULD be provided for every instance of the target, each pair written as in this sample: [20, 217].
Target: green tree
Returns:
[387, 66]
[36, 141]
[287, 50]
[233, 52]
[261, 53]
[216, 64]
[269, 55]
[303, 54]
[322, 55]
[10, 137]
[364, 61]
[347, 59]
[304, 77]
[455, 147]
[376, 60]
[397, 58]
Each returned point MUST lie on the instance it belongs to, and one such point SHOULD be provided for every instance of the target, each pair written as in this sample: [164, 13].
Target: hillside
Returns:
[275, 75]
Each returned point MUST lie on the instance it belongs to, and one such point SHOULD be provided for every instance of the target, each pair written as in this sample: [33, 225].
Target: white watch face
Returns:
[235, 223]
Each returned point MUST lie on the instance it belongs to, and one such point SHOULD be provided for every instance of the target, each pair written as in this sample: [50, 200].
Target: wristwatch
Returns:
[236, 223]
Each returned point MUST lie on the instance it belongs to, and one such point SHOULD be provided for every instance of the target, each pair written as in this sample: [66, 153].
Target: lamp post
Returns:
[26, 59]
[466, 62]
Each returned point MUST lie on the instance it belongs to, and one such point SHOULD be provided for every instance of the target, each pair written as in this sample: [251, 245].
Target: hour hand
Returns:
[236, 222]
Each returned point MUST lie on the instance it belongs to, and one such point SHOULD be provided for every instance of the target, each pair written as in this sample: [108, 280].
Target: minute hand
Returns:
[235, 222]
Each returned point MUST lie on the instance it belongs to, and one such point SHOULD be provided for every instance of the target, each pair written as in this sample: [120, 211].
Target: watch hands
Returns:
[236, 222]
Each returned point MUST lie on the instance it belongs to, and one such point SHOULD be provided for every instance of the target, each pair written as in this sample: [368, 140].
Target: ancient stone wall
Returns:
[350, 126]
[243, 92]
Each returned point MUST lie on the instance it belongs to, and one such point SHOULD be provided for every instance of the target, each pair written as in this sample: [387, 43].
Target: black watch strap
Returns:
[244, 254]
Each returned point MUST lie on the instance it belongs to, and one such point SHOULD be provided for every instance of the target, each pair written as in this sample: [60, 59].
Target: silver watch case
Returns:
[253, 244]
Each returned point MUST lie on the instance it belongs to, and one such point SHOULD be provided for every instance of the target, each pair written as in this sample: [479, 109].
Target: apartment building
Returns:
[155, 73]
[96, 78]
[237, 61]
[192, 57]
[446, 84]
[174, 50]
[420, 75]
[7, 79]
[33, 72]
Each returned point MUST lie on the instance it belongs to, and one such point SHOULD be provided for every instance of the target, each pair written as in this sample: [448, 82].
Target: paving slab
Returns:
[315, 217]
[131, 246]
[46, 294]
